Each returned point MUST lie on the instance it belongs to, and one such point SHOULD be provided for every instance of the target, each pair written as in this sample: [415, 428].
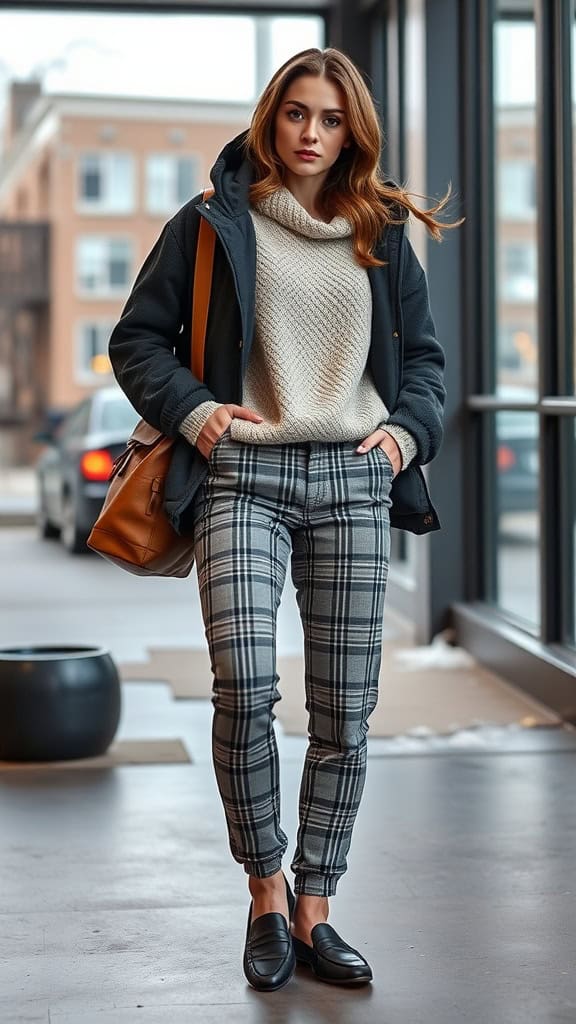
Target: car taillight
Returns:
[506, 457]
[96, 465]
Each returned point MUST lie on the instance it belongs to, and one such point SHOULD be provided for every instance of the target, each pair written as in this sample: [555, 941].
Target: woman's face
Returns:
[311, 115]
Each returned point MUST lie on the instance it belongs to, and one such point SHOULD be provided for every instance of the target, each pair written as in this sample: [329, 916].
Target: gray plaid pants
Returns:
[328, 508]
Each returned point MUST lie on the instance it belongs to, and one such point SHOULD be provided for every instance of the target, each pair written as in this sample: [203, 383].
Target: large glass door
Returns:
[522, 368]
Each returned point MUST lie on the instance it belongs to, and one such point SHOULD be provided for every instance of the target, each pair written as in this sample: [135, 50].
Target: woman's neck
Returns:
[308, 192]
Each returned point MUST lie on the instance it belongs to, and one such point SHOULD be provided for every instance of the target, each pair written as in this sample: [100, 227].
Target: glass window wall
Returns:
[515, 212]
[514, 525]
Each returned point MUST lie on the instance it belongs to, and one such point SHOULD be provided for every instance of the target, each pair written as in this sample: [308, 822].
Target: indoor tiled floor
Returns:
[121, 904]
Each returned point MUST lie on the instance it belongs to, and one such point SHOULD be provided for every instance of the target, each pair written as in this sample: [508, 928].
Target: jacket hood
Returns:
[231, 175]
[233, 172]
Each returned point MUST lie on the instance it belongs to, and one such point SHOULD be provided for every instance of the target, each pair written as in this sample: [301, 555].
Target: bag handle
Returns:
[203, 268]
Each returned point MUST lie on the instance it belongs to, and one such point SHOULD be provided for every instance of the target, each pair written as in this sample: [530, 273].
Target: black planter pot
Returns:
[57, 703]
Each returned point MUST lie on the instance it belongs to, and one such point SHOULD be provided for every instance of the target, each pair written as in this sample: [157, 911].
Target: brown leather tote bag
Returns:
[132, 529]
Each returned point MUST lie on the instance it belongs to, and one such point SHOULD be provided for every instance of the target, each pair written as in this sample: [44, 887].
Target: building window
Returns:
[103, 265]
[517, 189]
[106, 183]
[21, 202]
[170, 181]
[92, 360]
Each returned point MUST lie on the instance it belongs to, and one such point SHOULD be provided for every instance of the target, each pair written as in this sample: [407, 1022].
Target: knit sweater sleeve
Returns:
[404, 439]
[192, 424]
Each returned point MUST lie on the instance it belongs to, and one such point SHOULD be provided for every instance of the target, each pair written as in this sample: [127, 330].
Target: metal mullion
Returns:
[478, 290]
[495, 403]
[402, 70]
[559, 405]
[378, 59]
[487, 211]
[564, 207]
[392, 86]
[549, 235]
[487, 380]
[565, 305]
[550, 405]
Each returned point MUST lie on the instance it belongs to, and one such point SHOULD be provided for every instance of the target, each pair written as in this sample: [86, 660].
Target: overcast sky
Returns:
[153, 54]
[161, 55]
[189, 55]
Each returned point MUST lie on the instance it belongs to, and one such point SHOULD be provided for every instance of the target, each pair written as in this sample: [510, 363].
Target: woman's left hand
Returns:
[388, 443]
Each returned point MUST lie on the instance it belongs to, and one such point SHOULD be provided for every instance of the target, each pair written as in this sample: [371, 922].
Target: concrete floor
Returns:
[120, 902]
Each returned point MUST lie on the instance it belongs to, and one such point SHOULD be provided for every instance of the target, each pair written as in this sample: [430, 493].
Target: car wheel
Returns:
[73, 538]
[46, 528]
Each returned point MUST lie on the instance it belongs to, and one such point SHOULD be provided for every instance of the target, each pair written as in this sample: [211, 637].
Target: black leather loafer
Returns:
[269, 960]
[332, 959]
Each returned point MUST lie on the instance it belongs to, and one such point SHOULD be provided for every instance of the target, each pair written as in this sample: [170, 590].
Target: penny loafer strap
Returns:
[268, 937]
[328, 944]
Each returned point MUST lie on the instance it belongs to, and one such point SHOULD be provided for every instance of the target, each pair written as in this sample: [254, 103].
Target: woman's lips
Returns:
[307, 156]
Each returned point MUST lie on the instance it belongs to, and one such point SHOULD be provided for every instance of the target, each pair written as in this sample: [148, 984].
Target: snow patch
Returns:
[441, 653]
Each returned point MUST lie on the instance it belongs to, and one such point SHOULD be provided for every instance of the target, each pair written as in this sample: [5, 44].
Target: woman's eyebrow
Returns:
[328, 110]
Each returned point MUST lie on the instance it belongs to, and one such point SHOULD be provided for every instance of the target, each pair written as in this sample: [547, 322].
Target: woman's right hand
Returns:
[219, 421]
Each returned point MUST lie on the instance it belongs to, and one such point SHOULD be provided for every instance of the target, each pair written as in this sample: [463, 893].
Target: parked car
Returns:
[516, 453]
[72, 473]
[517, 461]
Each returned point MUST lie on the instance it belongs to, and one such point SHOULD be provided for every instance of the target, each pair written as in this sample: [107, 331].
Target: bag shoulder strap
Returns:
[201, 293]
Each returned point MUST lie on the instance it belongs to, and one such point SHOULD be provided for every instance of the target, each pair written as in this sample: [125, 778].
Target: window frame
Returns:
[553, 403]
[109, 292]
[103, 208]
[196, 160]
[82, 375]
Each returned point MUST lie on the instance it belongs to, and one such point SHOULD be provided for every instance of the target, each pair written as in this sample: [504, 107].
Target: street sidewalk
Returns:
[18, 496]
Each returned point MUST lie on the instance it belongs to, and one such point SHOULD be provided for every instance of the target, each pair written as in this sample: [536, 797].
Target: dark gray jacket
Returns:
[150, 345]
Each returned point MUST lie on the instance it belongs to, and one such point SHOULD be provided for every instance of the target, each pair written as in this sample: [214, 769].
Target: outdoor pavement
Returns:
[18, 496]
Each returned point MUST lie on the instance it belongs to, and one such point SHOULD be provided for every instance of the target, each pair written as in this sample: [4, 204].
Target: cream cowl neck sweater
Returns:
[307, 371]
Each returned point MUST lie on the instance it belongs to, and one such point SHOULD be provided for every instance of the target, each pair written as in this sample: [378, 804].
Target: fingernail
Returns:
[361, 448]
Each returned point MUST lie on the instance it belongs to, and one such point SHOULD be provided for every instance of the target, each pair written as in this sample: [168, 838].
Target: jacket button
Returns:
[395, 334]
[240, 343]
[427, 520]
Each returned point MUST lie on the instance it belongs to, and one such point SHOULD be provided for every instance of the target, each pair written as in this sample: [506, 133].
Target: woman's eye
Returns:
[335, 120]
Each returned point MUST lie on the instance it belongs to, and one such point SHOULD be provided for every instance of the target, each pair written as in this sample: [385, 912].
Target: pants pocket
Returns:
[218, 441]
[387, 458]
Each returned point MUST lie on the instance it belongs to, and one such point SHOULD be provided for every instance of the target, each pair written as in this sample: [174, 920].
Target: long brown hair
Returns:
[354, 187]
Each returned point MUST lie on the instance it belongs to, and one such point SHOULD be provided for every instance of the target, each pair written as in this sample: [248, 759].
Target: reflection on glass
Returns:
[571, 433]
[516, 515]
[574, 184]
[516, 277]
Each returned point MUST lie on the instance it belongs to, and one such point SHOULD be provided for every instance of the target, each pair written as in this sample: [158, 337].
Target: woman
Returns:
[322, 395]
